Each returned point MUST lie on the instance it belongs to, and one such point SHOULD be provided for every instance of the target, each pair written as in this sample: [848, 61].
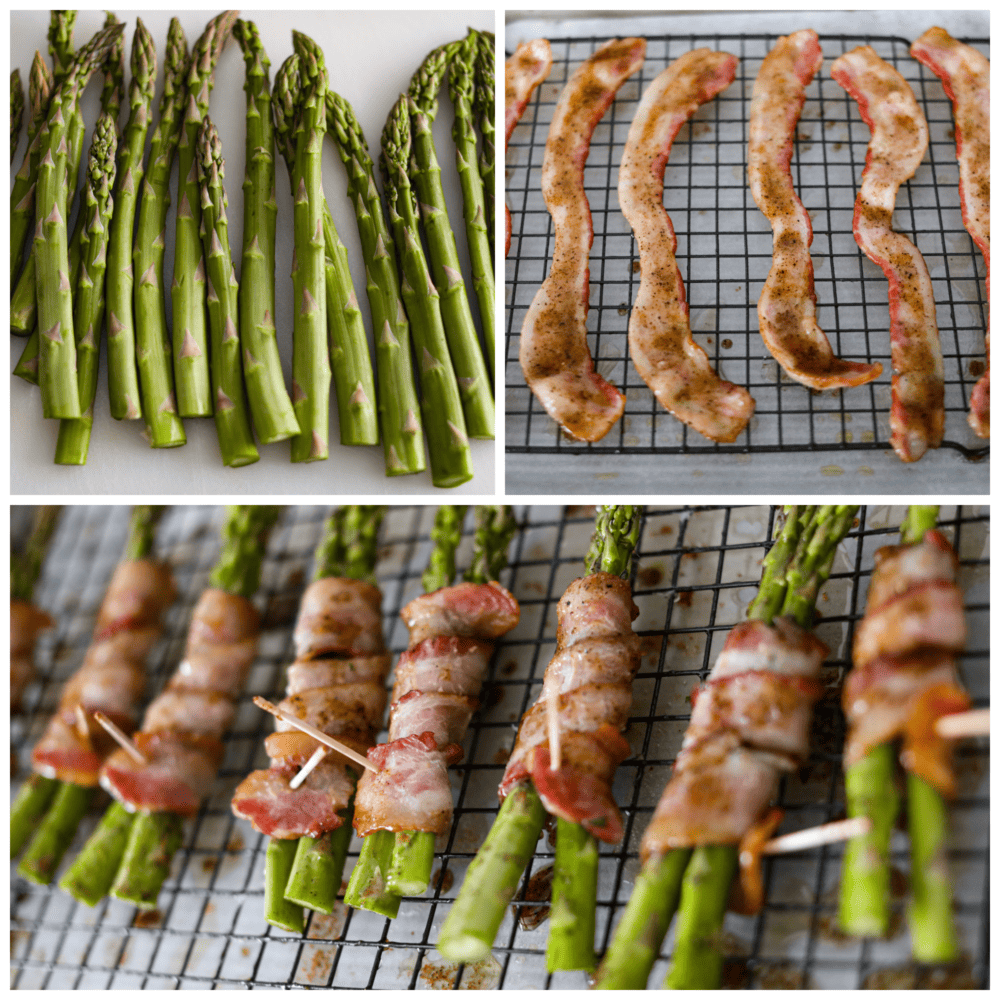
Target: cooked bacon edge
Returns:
[965, 76]
[898, 143]
[554, 353]
[659, 330]
[529, 66]
[113, 675]
[786, 308]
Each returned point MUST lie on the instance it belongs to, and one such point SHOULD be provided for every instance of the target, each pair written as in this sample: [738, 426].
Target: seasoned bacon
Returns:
[787, 305]
[438, 679]
[183, 727]
[750, 723]
[904, 677]
[898, 143]
[342, 694]
[554, 354]
[659, 330]
[529, 66]
[112, 677]
[965, 76]
[594, 694]
[26, 622]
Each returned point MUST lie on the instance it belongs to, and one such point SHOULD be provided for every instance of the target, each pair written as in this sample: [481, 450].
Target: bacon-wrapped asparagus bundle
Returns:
[111, 680]
[904, 680]
[401, 807]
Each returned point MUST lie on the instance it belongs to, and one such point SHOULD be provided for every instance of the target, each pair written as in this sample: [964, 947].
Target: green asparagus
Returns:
[26, 564]
[446, 535]
[91, 875]
[61, 23]
[485, 109]
[28, 808]
[16, 111]
[55, 833]
[152, 842]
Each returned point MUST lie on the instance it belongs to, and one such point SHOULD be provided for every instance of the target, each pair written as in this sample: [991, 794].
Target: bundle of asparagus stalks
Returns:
[219, 354]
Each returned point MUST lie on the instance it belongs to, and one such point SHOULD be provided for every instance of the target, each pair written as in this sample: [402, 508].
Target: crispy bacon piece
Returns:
[529, 66]
[113, 675]
[750, 723]
[342, 694]
[438, 680]
[904, 677]
[898, 144]
[965, 76]
[594, 693]
[26, 623]
[183, 727]
[554, 354]
[659, 330]
[787, 305]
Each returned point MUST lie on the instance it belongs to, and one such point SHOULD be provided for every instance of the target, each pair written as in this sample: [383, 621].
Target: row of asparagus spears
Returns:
[219, 356]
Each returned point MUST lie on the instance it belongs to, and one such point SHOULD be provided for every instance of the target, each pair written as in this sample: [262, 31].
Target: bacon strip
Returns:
[438, 679]
[596, 657]
[26, 622]
[787, 305]
[343, 694]
[750, 723]
[965, 76]
[529, 66]
[554, 354]
[904, 677]
[182, 731]
[898, 144]
[659, 330]
[113, 675]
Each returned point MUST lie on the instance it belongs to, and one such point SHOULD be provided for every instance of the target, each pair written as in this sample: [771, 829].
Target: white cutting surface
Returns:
[370, 58]
[943, 471]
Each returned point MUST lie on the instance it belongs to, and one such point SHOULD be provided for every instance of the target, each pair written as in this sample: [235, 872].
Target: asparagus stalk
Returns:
[444, 418]
[190, 326]
[153, 349]
[73, 442]
[484, 108]
[61, 23]
[16, 111]
[90, 878]
[316, 873]
[446, 534]
[26, 565]
[281, 912]
[28, 809]
[270, 405]
[462, 87]
[466, 354]
[232, 418]
[55, 833]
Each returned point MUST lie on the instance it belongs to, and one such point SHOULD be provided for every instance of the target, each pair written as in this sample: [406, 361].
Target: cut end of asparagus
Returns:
[278, 911]
[465, 948]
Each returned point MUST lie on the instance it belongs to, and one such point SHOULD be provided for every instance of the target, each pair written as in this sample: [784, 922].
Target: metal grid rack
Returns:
[696, 571]
[724, 254]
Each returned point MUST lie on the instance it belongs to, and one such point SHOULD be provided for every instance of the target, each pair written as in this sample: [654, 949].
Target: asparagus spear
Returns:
[484, 108]
[444, 418]
[16, 110]
[270, 406]
[26, 565]
[445, 538]
[154, 352]
[190, 327]
[61, 23]
[466, 354]
[232, 418]
[73, 442]
[462, 87]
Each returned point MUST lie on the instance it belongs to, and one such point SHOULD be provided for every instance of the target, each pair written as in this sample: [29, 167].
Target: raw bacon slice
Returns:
[26, 623]
[438, 680]
[183, 727]
[554, 354]
[659, 331]
[113, 675]
[898, 144]
[529, 66]
[965, 76]
[596, 611]
[342, 694]
[787, 305]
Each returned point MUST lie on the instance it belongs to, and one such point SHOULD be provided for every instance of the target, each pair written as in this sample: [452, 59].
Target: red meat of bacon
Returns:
[529, 66]
[113, 675]
[904, 675]
[659, 330]
[750, 723]
[898, 143]
[787, 305]
[554, 353]
[590, 675]
[26, 622]
[965, 76]
[337, 684]
[182, 731]
[438, 679]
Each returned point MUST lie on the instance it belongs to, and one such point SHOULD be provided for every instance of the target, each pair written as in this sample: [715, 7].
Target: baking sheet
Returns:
[724, 250]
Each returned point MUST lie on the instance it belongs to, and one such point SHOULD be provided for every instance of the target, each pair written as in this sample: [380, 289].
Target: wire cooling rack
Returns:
[724, 254]
[696, 571]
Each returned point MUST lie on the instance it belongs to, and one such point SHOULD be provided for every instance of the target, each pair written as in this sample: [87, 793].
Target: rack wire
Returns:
[724, 254]
[696, 571]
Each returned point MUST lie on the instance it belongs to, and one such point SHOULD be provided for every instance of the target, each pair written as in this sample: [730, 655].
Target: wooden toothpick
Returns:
[816, 836]
[318, 754]
[555, 748]
[961, 724]
[120, 738]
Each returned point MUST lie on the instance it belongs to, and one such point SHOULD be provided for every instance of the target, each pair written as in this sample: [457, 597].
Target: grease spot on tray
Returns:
[831, 470]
